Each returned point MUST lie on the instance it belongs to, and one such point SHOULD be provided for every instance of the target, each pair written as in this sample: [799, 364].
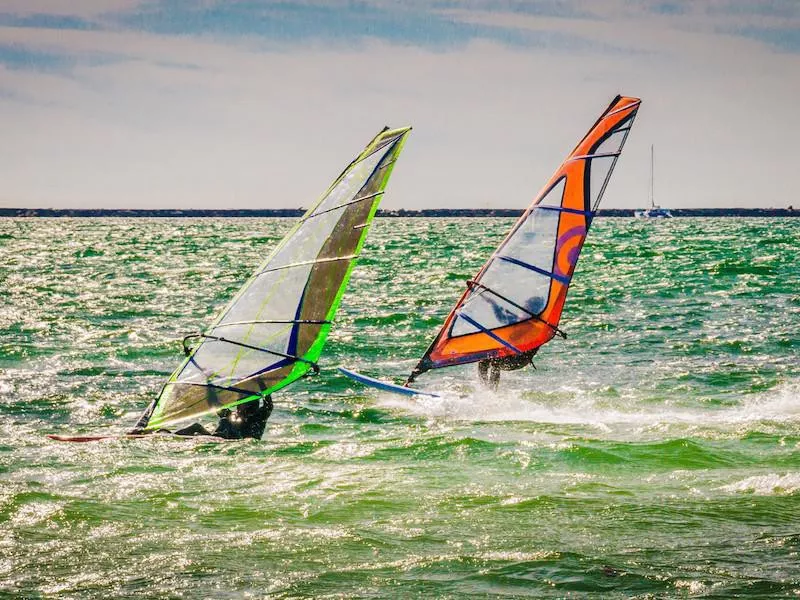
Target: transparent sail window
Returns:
[226, 362]
[487, 309]
[307, 241]
[534, 241]
[347, 188]
[612, 144]
[555, 196]
[520, 285]
[274, 295]
[599, 173]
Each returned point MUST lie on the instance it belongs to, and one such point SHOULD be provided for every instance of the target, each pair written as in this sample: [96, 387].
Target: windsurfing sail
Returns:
[514, 303]
[272, 332]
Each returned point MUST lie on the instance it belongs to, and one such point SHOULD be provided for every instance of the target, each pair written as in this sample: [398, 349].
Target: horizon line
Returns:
[790, 211]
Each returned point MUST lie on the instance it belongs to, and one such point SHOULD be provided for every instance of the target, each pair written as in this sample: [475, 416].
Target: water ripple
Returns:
[654, 453]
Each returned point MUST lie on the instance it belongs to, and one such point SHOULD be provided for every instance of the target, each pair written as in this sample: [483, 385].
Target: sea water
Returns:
[655, 453]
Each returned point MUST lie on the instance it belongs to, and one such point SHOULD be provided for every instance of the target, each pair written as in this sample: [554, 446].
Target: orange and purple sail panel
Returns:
[514, 303]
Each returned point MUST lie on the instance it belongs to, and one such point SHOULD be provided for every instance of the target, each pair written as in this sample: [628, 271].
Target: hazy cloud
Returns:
[260, 104]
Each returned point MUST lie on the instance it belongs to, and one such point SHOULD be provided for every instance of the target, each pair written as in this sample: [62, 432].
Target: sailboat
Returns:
[514, 303]
[655, 211]
[273, 331]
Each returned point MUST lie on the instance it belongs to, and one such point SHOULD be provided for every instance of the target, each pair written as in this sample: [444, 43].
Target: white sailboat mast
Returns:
[652, 179]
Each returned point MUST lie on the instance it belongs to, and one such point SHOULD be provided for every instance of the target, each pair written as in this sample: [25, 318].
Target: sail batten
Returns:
[514, 303]
[286, 321]
[354, 201]
[574, 211]
[307, 263]
[272, 332]
[524, 265]
[634, 104]
[225, 388]
[223, 340]
[597, 155]
[500, 296]
[491, 334]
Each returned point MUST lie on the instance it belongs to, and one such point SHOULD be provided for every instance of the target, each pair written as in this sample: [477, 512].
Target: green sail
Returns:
[273, 331]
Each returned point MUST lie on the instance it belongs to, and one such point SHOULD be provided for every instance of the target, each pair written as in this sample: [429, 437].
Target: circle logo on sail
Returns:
[568, 248]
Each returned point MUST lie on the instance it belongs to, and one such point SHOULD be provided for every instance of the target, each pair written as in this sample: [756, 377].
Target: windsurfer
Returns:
[489, 369]
[248, 420]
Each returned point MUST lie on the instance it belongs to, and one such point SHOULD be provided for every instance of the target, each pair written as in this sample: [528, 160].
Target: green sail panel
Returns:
[273, 331]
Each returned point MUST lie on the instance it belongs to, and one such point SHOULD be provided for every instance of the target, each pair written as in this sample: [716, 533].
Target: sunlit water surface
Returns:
[654, 453]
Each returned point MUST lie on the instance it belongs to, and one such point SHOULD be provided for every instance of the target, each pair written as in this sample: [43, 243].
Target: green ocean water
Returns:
[655, 453]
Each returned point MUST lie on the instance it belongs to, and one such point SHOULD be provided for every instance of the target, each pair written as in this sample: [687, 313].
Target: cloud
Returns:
[786, 39]
[47, 21]
[339, 23]
[117, 115]
[16, 56]
[85, 9]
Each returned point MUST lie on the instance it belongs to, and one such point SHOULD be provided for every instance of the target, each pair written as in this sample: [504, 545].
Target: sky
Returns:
[258, 104]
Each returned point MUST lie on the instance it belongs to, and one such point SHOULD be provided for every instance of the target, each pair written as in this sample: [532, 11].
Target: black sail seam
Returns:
[217, 338]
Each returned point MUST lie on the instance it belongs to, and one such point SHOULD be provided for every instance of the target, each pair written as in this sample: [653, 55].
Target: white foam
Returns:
[575, 407]
[767, 485]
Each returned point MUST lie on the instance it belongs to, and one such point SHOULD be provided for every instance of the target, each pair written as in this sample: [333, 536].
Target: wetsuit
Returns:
[248, 421]
[489, 369]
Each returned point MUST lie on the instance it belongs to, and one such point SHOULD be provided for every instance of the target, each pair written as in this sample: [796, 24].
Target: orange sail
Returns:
[514, 303]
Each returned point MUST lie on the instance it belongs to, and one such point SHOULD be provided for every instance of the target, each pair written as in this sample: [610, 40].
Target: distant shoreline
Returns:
[429, 213]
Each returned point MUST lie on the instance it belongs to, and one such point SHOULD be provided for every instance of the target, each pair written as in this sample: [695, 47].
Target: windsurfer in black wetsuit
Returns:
[489, 369]
[247, 420]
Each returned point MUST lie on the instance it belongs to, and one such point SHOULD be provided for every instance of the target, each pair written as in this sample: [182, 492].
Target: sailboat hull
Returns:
[657, 213]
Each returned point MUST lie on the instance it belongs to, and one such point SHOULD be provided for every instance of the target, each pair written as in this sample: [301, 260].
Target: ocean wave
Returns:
[766, 485]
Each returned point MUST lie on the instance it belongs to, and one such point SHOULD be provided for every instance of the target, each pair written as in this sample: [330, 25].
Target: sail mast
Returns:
[652, 179]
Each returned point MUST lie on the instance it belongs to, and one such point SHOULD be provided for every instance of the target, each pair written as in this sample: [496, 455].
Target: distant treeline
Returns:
[433, 212]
